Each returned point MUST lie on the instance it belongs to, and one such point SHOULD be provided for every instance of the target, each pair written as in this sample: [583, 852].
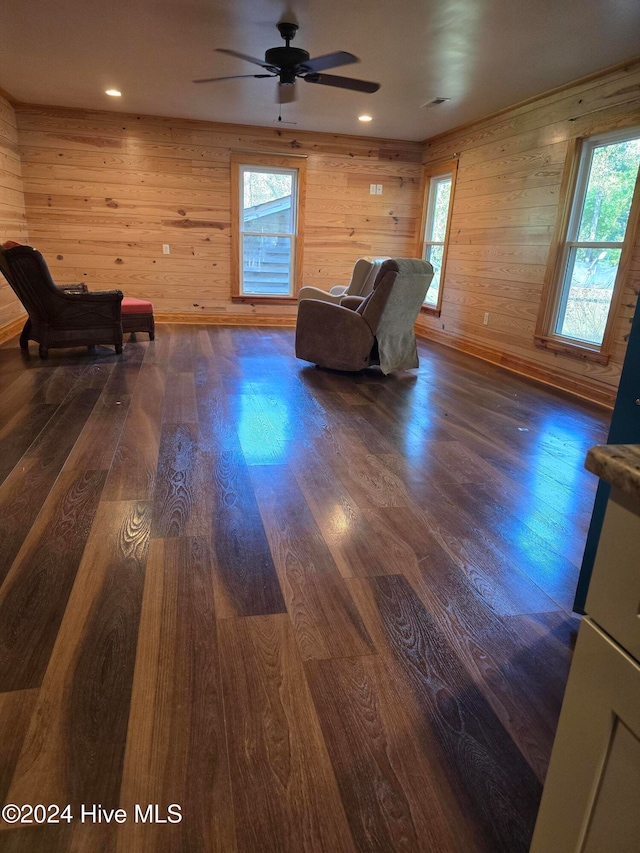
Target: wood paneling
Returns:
[104, 191]
[13, 327]
[505, 209]
[13, 219]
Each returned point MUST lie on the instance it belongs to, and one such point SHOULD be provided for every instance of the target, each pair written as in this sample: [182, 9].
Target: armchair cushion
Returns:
[362, 279]
[130, 305]
[338, 289]
[354, 303]
[370, 280]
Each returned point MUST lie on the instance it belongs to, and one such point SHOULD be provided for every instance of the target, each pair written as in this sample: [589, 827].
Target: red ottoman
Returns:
[137, 316]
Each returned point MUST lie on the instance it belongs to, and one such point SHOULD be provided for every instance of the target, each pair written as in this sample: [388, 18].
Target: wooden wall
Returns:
[104, 191]
[505, 208]
[13, 222]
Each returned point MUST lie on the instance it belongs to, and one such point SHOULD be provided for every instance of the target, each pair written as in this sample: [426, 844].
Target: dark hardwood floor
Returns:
[318, 611]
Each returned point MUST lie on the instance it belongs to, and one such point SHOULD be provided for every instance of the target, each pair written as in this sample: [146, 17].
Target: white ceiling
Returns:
[483, 54]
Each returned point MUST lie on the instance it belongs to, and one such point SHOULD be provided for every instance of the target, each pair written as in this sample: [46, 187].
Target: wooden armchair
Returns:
[70, 315]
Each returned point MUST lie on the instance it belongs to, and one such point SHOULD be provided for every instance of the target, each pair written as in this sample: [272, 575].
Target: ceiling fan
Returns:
[288, 63]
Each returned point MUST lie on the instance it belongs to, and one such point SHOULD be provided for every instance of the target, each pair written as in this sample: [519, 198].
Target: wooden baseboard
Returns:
[227, 319]
[523, 367]
[11, 329]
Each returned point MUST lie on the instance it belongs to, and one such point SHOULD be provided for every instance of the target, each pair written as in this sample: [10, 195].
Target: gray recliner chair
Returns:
[376, 329]
[363, 276]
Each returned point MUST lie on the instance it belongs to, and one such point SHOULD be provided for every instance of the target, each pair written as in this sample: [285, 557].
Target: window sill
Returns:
[573, 350]
[265, 300]
[430, 310]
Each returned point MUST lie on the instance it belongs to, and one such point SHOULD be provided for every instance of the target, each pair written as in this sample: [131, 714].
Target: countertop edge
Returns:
[617, 464]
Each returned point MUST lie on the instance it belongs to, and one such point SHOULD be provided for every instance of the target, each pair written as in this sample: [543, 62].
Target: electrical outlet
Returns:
[486, 318]
[379, 189]
[165, 249]
[372, 189]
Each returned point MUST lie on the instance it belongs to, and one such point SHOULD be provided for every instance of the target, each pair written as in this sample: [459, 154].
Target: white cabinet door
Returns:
[591, 797]
[614, 593]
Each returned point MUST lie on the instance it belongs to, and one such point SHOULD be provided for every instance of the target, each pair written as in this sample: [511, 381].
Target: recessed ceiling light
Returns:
[113, 92]
[365, 118]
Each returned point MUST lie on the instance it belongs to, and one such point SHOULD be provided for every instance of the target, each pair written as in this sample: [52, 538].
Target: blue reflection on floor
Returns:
[263, 426]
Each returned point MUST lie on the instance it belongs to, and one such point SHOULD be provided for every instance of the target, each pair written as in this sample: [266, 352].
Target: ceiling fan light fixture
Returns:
[114, 93]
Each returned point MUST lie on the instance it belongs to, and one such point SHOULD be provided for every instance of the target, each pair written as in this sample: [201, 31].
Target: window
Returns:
[437, 212]
[583, 286]
[266, 227]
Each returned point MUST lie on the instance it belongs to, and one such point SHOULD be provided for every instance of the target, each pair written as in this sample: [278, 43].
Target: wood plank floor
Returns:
[317, 611]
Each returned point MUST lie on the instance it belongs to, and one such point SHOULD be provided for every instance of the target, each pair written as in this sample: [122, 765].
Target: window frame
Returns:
[241, 161]
[572, 198]
[430, 174]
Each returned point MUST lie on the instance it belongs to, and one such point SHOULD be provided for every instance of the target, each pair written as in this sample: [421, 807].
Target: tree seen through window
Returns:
[596, 235]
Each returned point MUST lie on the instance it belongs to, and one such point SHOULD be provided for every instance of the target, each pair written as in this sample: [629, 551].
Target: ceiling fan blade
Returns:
[233, 77]
[243, 56]
[342, 82]
[285, 94]
[330, 60]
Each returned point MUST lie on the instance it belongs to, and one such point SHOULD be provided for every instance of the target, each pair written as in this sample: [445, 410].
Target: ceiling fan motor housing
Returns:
[286, 57]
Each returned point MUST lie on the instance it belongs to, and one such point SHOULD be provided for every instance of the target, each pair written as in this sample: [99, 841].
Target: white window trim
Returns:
[434, 174]
[555, 291]
[290, 235]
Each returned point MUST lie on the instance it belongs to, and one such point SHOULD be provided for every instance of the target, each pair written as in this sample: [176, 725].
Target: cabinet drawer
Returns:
[614, 592]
